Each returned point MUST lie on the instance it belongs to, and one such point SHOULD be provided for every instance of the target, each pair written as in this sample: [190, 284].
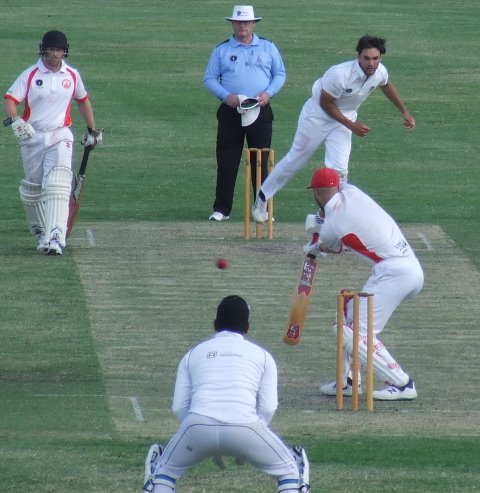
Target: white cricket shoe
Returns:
[42, 245]
[54, 248]
[259, 210]
[151, 462]
[393, 393]
[218, 216]
[331, 388]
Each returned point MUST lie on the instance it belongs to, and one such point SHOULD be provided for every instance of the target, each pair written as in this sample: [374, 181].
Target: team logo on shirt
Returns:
[233, 58]
[66, 83]
[348, 91]
[372, 88]
[39, 82]
[211, 354]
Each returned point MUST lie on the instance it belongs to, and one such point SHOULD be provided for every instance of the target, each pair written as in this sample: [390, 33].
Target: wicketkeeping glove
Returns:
[22, 130]
[92, 137]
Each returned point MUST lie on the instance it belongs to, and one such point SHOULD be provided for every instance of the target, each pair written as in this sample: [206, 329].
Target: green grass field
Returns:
[89, 342]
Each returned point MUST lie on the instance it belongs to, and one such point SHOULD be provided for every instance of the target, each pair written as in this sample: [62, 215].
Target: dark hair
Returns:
[368, 41]
[232, 314]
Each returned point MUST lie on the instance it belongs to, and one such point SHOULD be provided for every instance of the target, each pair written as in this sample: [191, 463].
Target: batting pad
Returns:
[384, 364]
[32, 198]
[58, 186]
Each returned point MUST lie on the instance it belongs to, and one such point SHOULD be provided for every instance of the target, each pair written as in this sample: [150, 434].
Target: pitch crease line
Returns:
[136, 408]
[425, 241]
[90, 238]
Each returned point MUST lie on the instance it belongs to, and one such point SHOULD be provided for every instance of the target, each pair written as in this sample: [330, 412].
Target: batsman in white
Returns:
[353, 219]
[46, 90]
[329, 117]
[225, 397]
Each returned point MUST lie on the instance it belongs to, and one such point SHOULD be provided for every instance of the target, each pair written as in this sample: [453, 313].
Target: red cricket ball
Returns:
[221, 263]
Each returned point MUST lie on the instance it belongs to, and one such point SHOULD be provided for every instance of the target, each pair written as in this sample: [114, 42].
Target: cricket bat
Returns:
[77, 191]
[301, 299]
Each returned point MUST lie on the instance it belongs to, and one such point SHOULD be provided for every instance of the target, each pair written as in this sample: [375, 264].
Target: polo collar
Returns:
[235, 43]
[44, 69]
[359, 71]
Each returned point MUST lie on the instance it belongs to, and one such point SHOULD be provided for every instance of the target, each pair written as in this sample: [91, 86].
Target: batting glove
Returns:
[92, 137]
[314, 249]
[22, 130]
[313, 223]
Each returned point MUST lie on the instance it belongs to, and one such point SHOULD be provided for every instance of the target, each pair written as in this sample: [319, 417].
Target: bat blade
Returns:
[76, 195]
[300, 300]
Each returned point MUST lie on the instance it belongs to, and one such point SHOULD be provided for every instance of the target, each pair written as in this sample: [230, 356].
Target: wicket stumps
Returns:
[342, 299]
[248, 178]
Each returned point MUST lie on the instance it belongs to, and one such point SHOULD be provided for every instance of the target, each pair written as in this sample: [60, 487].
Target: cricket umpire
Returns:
[225, 397]
[243, 66]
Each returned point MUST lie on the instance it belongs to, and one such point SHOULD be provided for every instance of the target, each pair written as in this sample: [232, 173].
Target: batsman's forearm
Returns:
[85, 109]
[10, 108]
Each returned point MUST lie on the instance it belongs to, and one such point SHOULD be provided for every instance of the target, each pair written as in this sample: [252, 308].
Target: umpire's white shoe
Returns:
[151, 462]
[259, 210]
[331, 388]
[393, 393]
[218, 216]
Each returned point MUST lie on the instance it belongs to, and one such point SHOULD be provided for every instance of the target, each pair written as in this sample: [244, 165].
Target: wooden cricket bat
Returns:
[77, 191]
[301, 299]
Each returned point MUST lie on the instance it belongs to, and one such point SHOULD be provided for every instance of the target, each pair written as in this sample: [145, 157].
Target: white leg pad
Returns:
[384, 365]
[32, 198]
[58, 186]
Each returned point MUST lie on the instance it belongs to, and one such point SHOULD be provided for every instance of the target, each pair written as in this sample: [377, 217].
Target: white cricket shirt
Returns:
[349, 85]
[356, 220]
[47, 95]
[227, 378]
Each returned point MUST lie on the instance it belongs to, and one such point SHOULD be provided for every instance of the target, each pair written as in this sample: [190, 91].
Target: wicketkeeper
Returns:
[225, 397]
[46, 90]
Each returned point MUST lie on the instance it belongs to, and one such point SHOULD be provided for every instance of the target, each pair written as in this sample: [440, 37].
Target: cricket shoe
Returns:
[42, 245]
[259, 209]
[331, 388]
[218, 216]
[54, 248]
[393, 393]
[151, 463]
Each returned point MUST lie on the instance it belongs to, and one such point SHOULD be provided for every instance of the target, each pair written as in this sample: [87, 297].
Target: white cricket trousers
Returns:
[312, 132]
[391, 282]
[200, 437]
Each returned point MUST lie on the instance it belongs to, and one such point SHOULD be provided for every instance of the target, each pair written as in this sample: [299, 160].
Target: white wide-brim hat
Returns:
[243, 13]
[249, 109]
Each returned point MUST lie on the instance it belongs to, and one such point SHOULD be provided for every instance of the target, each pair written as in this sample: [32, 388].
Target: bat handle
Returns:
[314, 240]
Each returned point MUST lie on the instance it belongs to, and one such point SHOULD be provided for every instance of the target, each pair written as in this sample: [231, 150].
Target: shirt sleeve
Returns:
[183, 390]
[267, 398]
[333, 83]
[211, 77]
[18, 90]
[279, 74]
